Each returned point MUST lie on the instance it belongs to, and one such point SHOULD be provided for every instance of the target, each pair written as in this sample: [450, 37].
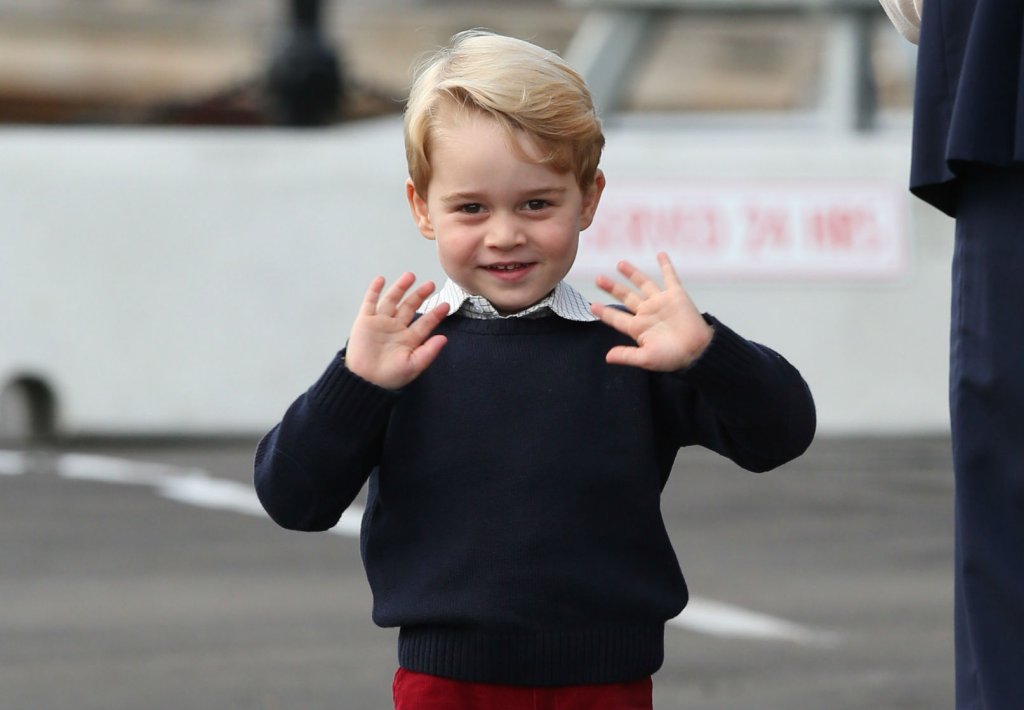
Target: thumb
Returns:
[625, 355]
[423, 356]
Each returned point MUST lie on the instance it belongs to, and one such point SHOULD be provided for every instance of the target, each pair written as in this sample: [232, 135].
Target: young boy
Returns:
[516, 439]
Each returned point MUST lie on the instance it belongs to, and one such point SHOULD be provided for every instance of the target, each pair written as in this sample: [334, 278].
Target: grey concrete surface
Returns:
[112, 597]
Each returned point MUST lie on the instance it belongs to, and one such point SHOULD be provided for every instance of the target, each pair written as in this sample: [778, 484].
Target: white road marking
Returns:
[13, 463]
[715, 618]
[193, 486]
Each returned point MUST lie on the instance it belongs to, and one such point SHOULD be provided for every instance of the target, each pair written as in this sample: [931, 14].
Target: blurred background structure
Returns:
[161, 62]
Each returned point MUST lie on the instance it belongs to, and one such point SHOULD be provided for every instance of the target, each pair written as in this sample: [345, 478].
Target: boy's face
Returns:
[506, 228]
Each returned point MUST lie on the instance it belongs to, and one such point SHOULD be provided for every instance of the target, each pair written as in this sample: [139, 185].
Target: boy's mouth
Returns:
[510, 266]
[510, 270]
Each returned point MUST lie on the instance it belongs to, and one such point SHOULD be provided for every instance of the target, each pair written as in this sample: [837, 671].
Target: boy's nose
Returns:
[504, 233]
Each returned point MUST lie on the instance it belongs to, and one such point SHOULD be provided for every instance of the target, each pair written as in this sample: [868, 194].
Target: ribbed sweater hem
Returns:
[607, 654]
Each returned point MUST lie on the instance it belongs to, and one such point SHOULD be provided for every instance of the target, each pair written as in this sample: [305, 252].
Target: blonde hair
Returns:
[521, 86]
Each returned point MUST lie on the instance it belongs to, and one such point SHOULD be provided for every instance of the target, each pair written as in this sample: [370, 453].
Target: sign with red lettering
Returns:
[746, 229]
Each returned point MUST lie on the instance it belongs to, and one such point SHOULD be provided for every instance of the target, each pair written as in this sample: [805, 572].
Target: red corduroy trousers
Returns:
[418, 691]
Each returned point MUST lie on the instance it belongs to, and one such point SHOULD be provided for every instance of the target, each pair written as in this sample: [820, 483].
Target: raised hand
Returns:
[667, 327]
[385, 347]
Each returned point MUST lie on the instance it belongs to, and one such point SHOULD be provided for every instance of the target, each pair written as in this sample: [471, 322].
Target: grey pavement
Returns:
[112, 596]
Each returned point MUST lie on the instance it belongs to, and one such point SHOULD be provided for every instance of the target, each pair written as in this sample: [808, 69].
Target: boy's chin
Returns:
[507, 308]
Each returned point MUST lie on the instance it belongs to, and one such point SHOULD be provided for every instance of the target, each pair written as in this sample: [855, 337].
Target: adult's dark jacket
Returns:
[969, 98]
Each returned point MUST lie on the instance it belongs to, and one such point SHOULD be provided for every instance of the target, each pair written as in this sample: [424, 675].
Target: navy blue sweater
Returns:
[513, 528]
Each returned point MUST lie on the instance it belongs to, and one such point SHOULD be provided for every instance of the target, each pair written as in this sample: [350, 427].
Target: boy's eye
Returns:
[471, 208]
[536, 204]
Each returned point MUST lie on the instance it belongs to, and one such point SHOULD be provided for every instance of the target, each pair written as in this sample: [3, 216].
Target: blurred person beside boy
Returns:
[968, 161]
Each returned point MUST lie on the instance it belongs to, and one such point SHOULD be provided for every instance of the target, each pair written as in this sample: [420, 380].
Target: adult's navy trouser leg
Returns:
[987, 416]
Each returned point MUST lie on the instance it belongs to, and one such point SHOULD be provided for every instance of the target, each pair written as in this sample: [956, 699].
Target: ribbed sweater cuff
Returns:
[726, 362]
[614, 654]
[341, 393]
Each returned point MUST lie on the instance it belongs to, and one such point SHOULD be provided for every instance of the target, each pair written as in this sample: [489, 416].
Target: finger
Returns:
[369, 305]
[668, 272]
[647, 286]
[407, 309]
[626, 295]
[617, 319]
[426, 323]
[389, 303]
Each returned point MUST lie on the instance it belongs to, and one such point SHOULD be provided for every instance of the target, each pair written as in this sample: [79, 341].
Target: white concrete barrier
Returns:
[190, 281]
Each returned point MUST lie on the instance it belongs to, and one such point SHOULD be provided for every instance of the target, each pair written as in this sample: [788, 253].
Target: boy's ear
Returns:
[591, 197]
[420, 214]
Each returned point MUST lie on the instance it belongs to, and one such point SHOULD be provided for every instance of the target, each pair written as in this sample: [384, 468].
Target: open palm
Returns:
[386, 346]
[669, 331]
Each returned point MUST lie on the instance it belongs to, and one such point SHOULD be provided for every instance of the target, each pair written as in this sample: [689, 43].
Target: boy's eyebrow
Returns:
[546, 191]
[468, 195]
[460, 197]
